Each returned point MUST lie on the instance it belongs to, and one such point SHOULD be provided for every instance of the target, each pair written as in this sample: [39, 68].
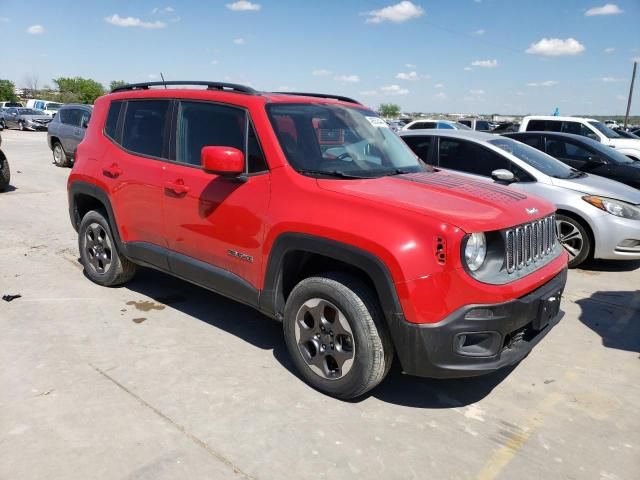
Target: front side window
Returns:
[339, 141]
[538, 160]
[469, 157]
[144, 125]
[544, 126]
[420, 146]
[577, 128]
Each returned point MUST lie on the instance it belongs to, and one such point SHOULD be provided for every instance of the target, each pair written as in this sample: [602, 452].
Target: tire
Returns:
[575, 239]
[21, 126]
[99, 254]
[5, 173]
[340, 302]
[2, 124]
[60, 159]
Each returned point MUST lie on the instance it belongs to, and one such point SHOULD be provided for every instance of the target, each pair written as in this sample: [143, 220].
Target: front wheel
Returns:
[21, 126]
[335, 333]
[5, 173]
[575, 239]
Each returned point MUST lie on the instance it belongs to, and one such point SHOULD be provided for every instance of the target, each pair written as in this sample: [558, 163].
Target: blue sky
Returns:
[486, 56]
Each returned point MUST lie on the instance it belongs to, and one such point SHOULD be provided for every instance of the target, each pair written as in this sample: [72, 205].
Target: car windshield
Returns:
[340, 141]
[603, 129]
[535, 158]
[30, 111]
[609, 153]
[53, 106]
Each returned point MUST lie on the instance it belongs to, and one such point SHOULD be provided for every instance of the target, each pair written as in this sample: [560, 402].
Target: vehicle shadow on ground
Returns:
[610, 265]
[265, 333]
[615, 316]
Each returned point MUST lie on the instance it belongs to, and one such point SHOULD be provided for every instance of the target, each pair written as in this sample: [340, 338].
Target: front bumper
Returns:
[477, 339]
[611, 232]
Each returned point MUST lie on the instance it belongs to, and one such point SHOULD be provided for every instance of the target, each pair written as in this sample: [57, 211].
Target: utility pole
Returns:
[633, 78]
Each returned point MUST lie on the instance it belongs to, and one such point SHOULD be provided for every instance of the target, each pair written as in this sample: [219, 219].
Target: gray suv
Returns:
[66, 131]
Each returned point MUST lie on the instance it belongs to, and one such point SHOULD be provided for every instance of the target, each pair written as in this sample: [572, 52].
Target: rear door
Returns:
[215, 223]
[133, 168]
[572, 153]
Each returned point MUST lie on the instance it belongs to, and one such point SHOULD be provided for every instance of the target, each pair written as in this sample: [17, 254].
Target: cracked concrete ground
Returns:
[161, 379]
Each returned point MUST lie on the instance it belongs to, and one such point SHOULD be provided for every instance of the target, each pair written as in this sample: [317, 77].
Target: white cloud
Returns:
[439, 85]
[398, 13]
[480, 31]
[440, 96]
[609, 50]
[611, 79]
[608, 9]
[152, 76]
[4, 19]
[485, 63]
[347, 78]
[548, 83]
[162, 10]
[520, 94]
[175, 19]
[555, 47]
[636, 59]
[393, 90]
[467, 69]
[119, 21]
[214, 62]
[35, 30]
[407, 76]
[321, 72]
[410, 65]
[476, 92]
[243, 6]
[239, 41]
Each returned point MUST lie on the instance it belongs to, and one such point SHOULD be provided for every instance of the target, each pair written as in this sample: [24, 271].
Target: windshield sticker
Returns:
[377, 122]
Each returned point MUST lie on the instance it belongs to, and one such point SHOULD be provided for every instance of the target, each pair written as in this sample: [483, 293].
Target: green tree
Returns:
[116, 83]
[7, 91]
[78, 89]
[389, 110]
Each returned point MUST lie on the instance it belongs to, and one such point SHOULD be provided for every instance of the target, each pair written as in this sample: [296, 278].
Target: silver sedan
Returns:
[596, 217]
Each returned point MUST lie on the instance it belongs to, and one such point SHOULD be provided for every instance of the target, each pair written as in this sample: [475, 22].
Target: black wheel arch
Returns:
[85, 196]
[295, 256]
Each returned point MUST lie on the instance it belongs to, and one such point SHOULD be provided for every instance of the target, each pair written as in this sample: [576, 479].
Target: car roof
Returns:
[562, 119]
[468, 134]
[580, 138]
[76, 105]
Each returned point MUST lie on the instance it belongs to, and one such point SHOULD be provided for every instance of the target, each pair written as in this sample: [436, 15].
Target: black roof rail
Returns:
[321, 95]
[231, 87]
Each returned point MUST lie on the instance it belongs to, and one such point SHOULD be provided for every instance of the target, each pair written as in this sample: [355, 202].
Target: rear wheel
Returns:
[575, 239]
[336, 336]
[21, 126]
[102, 261]
[5, 173]
[59, 157]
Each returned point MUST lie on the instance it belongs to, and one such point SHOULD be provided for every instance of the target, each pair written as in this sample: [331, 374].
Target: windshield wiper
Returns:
[329, 173]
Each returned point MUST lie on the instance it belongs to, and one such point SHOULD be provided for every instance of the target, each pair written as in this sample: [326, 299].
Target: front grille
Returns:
[529, 243]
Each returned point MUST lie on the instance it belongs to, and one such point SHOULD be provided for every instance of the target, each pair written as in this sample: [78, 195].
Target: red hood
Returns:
[470, 204]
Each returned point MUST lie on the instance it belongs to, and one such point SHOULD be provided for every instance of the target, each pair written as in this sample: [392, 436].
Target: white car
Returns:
[49, 108]
[433, 124]
[587, 127]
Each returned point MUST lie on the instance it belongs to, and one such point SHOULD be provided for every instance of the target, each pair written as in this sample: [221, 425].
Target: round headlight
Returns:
[475, 251]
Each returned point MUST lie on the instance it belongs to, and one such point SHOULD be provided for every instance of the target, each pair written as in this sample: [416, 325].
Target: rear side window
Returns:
[70, 116]
[468, 157]
[203, 124]
[535, 142]
[465, 122]
[112, 119]
[544, 126]
[419, 125]
[482, 125]
[420, 146]
[144, 124]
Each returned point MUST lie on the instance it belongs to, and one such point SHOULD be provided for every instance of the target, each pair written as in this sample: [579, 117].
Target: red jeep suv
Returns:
[308, 208]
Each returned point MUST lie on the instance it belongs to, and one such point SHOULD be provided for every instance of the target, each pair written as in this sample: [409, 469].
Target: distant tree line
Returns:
[68, 90]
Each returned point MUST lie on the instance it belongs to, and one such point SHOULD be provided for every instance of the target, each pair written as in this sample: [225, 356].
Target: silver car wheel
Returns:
[325, 339]
[570, 238]
[57, 154]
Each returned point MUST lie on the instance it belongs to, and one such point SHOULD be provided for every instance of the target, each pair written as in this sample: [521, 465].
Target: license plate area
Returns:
[547, 310]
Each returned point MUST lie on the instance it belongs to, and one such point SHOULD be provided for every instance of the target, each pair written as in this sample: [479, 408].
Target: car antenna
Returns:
[163, 80]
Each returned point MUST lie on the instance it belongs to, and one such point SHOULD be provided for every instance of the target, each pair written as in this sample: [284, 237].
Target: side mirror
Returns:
[502, 175]
[224, 161]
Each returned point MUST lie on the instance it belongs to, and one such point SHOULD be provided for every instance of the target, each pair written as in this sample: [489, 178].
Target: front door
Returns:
[212, 220]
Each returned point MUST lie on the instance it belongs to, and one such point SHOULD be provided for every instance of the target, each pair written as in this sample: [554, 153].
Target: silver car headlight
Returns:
[614, 207]
[475, 251]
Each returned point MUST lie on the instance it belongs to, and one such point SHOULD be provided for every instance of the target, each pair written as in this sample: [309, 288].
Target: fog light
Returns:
[629, 243]
[477, 344]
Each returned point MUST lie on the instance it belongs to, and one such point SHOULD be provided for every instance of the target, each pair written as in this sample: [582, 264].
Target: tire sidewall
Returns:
[62, 161]
[107, 278]
[585, 252]
[360, 370]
